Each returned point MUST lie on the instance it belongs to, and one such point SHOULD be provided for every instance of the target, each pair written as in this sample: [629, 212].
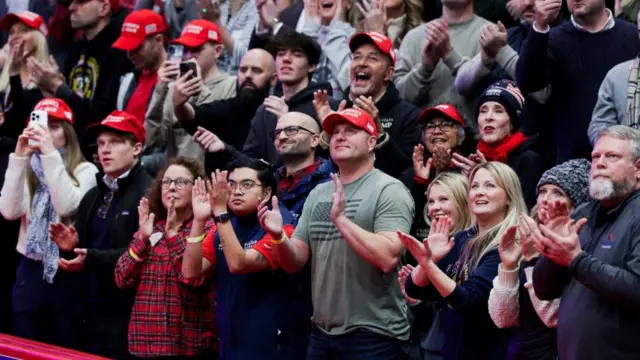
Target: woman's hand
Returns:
[510, 251]
[419, 250]
[402, 279]
[18, 56]
[439, 241]
[22, 146]
[42, 137]
[145, 220]
[200, 201]
[421, 169]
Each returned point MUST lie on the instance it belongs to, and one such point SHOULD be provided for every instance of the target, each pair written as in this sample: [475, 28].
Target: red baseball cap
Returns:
[137, 26]
[119, 121]
[55, 108]
[446, 110]
[198, 32]
[382, 42]
[357, 117]
[31, 19]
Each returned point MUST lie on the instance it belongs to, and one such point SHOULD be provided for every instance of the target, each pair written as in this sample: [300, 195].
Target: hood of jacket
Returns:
[305, 95]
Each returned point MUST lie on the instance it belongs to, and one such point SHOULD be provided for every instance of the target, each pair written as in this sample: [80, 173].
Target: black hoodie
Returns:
[399, 119]
[528, 164]
[259, 143]
[92, 72]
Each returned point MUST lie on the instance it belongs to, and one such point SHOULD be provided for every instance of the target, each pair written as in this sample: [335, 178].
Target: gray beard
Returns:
[605, 189]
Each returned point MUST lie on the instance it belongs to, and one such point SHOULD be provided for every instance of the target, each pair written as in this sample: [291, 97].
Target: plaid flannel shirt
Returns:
[240, 27]
[172, 315]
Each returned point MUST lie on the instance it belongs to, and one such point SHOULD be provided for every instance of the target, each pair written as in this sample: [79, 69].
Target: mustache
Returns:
[248, 82]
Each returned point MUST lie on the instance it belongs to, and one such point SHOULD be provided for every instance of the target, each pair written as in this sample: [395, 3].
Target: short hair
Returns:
[264, 170]
[622, 132]
[297, 41]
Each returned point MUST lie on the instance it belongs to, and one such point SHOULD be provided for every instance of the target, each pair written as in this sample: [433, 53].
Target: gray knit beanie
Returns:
[571, 176]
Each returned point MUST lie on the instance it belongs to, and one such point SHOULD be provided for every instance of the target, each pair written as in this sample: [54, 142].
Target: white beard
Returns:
[601, 189]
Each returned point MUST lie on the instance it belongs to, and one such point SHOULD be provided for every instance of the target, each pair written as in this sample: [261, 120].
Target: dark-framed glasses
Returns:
[444, 125]
[244, 186]
[289, 131]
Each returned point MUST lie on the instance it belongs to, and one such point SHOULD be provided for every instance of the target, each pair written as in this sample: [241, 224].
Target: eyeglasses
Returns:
[369, 58]
[180, 183]
[443, 126]
[106, 203]
[244, 186]
[289, 131]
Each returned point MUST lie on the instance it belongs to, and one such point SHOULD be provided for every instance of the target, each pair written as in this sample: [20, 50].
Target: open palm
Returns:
[270, 220]
[145, 219]
[200, 201]
[510, 251]
[439, 240]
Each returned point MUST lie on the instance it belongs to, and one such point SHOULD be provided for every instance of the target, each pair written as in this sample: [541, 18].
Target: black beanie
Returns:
[507, 94]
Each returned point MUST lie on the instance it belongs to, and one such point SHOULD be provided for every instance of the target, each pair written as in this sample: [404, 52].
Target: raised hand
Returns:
[209, 10]
[268, 12]
[438, 37]
[321, 105]
[510, 251]
[271, 220]
[375, 16]
[430, 57]
[168, 72]
[209, 141]
[171, 225]
[546, 12]
[493, 38]
[145, 220]
[187, 86]
[467, 164]
[220, 192]
[22, 146]
[527, 229]
[439, 240]
[419, 250]
[65, 237]
[561, 249]
[276, 105]
[18, 55]
[402, 278]
[42, 137]
[46, 75]
[200, 201]
[441, 158]
[421, 169]
[311, 10]
[338, 200]
[366, 104]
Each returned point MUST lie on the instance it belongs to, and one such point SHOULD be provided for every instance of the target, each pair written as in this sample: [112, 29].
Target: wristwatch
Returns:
[222, 218]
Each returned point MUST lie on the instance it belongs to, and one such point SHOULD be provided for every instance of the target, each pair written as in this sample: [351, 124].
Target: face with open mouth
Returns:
[440, 131]
[494, 122]
[369, 70]
[486, 198]
[440, 204]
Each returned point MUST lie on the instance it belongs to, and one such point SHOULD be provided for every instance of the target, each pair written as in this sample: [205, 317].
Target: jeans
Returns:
[361, 344]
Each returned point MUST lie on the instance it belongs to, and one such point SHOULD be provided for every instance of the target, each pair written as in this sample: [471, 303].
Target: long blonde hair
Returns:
[41, 54]
[507, 180]
[72, 157]
[456, 187]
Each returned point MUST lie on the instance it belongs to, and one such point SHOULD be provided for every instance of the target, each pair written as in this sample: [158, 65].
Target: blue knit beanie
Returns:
[506, 93]
[571, 176]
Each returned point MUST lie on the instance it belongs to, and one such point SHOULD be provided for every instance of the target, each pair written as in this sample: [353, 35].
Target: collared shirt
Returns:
[113, 183]
[611, 22]
[289, 181]
[172, 315]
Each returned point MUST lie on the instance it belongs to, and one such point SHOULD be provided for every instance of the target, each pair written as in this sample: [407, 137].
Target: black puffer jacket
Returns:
[529, 165]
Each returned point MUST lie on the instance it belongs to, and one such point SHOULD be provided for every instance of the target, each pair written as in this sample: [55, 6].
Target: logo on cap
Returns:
[213, 35]
[130, 27]
[193, 29]
[113, 119]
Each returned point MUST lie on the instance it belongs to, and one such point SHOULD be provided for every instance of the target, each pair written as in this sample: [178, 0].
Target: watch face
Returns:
[222, 218]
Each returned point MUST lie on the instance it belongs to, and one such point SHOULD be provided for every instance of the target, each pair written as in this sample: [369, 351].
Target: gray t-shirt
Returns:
[347, 291]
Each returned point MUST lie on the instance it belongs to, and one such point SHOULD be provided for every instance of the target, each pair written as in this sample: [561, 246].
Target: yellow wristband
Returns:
[281, 240]
[195, 240]
[134, 256]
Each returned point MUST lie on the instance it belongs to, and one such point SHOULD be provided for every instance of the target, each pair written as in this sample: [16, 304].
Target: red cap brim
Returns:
[8, 20]
[127, 43]
[430, 113]
[189, 42]
[363, 38]
[335, 118]
[94, 130]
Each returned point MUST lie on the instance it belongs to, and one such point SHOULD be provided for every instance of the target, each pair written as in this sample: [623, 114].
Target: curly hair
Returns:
[154, 194]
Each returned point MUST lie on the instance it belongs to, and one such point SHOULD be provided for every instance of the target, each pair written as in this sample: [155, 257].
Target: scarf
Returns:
[633, 96]
[39, 247]
[501, 150]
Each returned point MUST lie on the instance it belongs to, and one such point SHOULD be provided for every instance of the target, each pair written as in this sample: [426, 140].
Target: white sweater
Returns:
[15, 201]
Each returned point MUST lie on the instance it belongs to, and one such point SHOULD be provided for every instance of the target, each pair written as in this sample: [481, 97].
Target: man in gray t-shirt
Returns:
[349, 227]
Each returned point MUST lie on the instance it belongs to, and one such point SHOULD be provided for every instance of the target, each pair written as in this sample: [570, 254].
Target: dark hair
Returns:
[154, 194]
[297, 41]
[264, 169]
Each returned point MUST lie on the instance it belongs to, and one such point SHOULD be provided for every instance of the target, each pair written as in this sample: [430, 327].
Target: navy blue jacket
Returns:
[469, 332]
[294, 199]
[263, 315]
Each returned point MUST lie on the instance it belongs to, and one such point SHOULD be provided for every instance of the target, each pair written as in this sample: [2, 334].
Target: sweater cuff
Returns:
[541, 31]
[507, 279]
[16, 161]
[51, 161]
[139, 246]
[452, 60]
[573, 267]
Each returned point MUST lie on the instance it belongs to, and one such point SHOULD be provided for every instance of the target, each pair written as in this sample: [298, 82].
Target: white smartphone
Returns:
[38, 118]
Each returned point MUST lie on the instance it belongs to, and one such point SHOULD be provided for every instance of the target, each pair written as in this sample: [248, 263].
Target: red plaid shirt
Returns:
[288, 181]
[172, 315]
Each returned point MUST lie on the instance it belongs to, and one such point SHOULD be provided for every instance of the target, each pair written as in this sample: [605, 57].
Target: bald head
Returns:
[256, 69]
[295, 118]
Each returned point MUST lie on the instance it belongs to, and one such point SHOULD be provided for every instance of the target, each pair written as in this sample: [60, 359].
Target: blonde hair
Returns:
[456, 187]
[508, 181]
[41, 54]
[72, 157]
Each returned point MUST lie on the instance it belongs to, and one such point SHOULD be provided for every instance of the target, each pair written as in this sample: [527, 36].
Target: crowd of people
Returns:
[320, 180]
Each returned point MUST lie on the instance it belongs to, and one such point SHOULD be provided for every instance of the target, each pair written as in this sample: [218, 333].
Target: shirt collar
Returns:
[611, 22]
[113, 183]
[302, 173]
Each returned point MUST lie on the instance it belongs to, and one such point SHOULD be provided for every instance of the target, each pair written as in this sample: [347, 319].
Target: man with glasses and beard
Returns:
[222, 123]
[592, 258]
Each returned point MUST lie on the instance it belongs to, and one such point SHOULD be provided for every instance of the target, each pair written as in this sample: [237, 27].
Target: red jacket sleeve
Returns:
[264, 247]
